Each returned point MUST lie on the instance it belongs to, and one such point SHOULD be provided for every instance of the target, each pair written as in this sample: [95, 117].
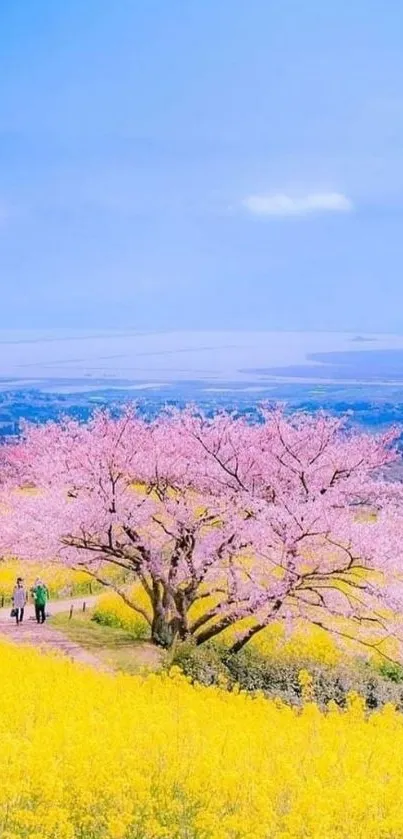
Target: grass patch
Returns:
[119, 648]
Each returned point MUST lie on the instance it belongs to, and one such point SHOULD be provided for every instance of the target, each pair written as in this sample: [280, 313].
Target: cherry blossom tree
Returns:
[111, 493]
[325, 522]
[290, 517]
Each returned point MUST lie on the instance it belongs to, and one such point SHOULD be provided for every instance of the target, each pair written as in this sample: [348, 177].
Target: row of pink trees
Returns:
[286, 518]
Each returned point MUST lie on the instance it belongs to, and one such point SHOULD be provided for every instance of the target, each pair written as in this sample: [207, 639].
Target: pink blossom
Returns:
[289, 517]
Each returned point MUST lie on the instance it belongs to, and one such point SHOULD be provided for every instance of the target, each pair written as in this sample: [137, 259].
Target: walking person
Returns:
[41, 596]
[20, 599]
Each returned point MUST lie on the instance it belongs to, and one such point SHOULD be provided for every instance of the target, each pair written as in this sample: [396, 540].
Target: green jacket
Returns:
[41, 595]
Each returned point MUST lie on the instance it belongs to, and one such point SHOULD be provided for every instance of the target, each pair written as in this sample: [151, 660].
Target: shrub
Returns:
[204, 664]
[391, 671]
[277, 679]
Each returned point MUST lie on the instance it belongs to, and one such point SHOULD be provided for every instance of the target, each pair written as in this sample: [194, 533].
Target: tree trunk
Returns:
[170, 620]
[163, 630]
[212, 631]
[241, 642]
[250, 633]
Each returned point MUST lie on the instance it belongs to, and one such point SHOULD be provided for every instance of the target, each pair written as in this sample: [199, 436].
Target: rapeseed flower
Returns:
[87, 755]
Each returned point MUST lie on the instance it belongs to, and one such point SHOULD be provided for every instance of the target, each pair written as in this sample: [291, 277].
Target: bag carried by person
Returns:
[13, 613]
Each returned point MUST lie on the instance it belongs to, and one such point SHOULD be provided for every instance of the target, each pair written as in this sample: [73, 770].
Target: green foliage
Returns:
[203, 664]
[392, 671]
[252, 671]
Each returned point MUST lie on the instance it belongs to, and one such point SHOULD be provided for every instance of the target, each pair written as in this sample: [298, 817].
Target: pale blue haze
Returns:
[147, 148]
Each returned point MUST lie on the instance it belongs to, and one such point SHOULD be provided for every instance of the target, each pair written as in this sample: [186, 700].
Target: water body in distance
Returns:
[62, 358]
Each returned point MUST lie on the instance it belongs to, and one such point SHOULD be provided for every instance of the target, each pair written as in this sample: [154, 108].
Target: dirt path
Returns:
[45, 637]
[55, 607]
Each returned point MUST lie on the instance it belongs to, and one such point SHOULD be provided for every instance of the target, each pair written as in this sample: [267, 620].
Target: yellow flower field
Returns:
[306, 642]
[61, 581]
[90, 756]
[58, 579]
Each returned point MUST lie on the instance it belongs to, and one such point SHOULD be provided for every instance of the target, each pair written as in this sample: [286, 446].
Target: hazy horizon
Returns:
[157, 358]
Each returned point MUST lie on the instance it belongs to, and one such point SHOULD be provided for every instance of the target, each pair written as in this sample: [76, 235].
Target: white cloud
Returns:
[279, 204]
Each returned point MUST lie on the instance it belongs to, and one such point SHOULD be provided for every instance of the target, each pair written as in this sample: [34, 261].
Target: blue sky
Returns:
[201, 164]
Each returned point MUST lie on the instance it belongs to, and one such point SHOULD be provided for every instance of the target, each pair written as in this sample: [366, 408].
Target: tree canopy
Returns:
[286, 518]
